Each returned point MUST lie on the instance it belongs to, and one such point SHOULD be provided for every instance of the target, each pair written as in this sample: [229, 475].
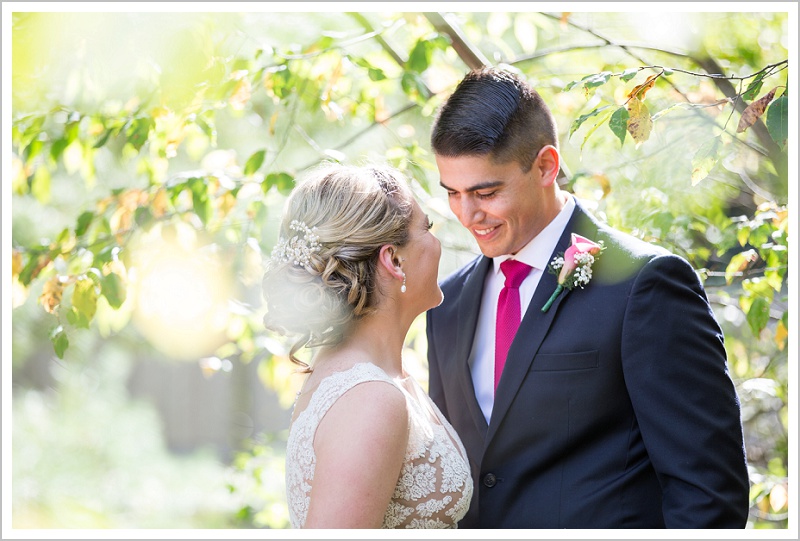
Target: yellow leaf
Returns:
[272, 120]
[739, 263]
[16, 263]
[781, 334]
[639, 91]
[639, 122]
[50, 298]
[754, 111]
[121, 220]
[225, 203]
[241, 95]
[159, 204]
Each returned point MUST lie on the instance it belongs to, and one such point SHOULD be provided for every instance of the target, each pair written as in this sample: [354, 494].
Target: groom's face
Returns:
[500, 204]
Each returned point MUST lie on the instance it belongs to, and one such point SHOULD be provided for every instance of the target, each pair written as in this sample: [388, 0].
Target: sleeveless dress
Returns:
[435, 485]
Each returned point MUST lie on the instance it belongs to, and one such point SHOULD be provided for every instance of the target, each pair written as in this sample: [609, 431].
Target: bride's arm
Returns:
[359, 445]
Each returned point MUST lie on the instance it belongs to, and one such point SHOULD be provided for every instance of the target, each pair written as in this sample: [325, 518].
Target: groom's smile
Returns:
[500, 204]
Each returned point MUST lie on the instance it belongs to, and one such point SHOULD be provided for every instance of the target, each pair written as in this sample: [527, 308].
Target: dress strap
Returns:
[334, 386]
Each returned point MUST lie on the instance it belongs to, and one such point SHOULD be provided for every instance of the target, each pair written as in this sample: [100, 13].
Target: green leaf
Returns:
[138, 131]
[84, 297]
[33, 150]
[775, 279]
[629, 74]
[667, 72]
[60, 341]
[203, 209]
[200, 202]
[743, 235]
[571, 85]
[758, 315]
[413, 85]
[619, 123]
[663, 112]
[598, 79]
[282, 81]
[375, 74]
[603, 119]
[778, 120]
[104, 253]
[282, 181]
[254, 162]
[420, 57]
[72, 128]
[30, 270]
[583, 118]
[58, 148]
[83, 223]
[143, 217]
[103, 139]
[40, 185]
[663, 221]
[753, 88]
[208, 128]
[705, 159]
[114, 290]
[77, 319]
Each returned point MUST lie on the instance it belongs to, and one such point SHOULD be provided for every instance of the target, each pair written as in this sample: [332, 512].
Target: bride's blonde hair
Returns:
[322, 276]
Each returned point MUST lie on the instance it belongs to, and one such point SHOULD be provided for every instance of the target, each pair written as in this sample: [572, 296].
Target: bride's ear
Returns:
[390, 261]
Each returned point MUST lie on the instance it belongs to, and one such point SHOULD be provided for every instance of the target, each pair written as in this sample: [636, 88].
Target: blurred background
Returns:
[149, 157]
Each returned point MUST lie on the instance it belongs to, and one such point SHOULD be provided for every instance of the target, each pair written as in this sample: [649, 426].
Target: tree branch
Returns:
[471, 55]
[391, 51]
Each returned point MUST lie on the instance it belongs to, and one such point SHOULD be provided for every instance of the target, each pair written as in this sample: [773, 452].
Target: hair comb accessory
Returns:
[297, 248]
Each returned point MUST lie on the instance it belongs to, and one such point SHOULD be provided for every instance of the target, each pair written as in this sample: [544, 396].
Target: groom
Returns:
[612, 408]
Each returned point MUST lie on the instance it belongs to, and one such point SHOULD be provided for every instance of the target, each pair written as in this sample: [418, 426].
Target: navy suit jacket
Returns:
[615, 408]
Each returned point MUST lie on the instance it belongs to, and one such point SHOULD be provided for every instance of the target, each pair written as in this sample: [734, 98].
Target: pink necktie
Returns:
[508, 312]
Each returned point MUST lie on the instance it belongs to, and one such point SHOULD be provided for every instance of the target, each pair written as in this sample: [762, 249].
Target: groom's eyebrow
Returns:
[474, 188]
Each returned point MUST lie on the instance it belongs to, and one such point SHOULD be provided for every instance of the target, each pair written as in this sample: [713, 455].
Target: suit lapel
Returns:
[468, 310]
[533, 328]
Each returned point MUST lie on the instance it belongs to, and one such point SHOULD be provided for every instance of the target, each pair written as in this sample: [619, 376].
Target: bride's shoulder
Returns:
[373, 405]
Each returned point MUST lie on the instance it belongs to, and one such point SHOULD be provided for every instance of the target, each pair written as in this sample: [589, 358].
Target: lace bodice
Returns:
[435, 486]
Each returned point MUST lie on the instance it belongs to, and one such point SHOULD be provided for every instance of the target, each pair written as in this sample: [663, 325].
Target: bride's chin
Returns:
[441, 299]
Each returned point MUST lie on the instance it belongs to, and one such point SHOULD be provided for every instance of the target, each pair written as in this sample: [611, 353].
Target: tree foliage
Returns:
[196, 139]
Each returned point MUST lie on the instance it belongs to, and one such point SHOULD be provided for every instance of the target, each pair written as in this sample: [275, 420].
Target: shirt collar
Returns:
[538, 251]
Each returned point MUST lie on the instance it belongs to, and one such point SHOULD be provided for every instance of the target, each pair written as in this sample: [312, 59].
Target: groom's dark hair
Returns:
[495, 113]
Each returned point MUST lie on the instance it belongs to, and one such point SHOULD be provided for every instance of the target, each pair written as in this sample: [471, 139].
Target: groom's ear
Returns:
[547, 164]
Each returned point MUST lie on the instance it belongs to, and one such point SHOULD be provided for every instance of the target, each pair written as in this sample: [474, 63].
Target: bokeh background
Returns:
[147, 155]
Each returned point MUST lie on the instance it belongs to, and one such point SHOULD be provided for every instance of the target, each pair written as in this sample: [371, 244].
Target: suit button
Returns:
[490, 480]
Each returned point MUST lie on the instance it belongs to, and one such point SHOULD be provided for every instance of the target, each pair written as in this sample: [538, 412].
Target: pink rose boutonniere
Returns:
[574, 268]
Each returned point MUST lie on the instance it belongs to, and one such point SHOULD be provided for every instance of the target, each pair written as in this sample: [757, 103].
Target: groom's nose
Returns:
[470, 211]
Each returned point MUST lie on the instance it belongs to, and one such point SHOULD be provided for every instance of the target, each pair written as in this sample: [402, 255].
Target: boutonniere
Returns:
[574, 267]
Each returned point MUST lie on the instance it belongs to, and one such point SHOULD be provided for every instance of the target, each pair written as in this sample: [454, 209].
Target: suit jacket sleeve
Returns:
[675, 369]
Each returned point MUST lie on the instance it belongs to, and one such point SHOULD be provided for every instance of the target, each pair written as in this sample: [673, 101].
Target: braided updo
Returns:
[352, 212]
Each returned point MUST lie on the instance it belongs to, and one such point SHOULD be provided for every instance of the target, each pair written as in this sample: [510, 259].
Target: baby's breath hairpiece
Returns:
[297, 248]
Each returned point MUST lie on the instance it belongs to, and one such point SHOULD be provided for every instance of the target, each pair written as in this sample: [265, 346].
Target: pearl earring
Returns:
[403, 287]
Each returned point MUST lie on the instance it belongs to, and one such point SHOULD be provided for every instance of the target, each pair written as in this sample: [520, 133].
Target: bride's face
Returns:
[421, 265]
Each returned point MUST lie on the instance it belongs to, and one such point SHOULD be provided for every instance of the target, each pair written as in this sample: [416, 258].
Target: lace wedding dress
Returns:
[435, 486]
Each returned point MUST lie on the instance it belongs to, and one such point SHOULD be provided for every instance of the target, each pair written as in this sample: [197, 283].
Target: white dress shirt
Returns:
[536, 254]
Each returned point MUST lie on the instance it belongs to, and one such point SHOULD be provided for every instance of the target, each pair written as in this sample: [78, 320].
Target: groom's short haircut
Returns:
[494, 113]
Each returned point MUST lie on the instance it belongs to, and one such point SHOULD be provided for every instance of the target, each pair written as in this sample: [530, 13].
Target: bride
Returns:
[355, 264]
